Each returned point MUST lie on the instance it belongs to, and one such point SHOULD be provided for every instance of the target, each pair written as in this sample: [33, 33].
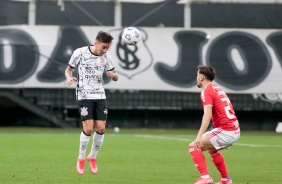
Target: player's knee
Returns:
[191, 144]
[88, 130]
[100, 130]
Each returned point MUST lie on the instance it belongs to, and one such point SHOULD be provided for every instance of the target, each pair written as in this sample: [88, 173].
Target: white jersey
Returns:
[90, 69]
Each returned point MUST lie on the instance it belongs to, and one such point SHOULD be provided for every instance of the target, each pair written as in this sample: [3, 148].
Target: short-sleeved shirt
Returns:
[90, 69]
[223, 115]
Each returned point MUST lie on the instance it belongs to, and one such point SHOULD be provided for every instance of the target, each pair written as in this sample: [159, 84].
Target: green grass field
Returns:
[133, 156]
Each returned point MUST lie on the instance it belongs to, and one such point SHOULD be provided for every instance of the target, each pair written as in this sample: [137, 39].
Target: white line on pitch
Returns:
[186, 139]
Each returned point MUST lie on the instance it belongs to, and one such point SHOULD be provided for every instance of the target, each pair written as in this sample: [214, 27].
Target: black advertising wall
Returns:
[12, 12]
[147, 108]
[96, 13]
[168, 14]
[75, 13]
[236, 15]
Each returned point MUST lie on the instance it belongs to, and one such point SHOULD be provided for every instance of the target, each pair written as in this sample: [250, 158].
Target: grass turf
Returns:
[133, 156]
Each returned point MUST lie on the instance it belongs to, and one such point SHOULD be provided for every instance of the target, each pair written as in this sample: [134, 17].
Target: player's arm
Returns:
[68, 75]
[113, 75]
[205, 124]
[206, 119]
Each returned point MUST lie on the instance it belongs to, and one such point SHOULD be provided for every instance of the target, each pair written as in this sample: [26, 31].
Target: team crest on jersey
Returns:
[84, 111]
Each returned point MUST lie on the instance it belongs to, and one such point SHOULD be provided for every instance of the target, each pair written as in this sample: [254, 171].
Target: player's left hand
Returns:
[111, 74]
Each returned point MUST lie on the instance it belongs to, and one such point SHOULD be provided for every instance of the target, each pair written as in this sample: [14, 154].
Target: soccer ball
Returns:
[131, 36]
[116, 129]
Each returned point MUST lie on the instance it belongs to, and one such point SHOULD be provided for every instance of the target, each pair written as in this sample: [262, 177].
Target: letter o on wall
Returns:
[253, 54]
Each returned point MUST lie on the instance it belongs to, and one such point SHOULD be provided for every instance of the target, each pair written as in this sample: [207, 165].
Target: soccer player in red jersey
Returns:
[218, 108]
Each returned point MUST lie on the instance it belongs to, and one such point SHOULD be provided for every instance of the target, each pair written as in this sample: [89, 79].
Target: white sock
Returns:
[205, 176]
[84, 139]
[96, 144]
[225, 179]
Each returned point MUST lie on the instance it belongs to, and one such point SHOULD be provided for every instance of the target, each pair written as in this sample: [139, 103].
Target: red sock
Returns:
[199, 160]
[219, 162]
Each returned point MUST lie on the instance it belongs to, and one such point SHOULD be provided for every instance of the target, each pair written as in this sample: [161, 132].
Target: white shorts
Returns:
[222, 139]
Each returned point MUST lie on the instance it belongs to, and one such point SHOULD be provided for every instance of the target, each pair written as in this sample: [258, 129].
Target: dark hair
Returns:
[207, 71]
[104, 37]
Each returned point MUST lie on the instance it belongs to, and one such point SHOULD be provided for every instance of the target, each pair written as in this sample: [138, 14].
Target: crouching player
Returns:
[218, 108]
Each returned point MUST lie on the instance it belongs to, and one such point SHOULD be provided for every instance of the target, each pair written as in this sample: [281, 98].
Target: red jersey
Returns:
[223, 115]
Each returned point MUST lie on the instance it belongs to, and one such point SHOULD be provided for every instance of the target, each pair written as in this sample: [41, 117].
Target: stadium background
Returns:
[52, 107]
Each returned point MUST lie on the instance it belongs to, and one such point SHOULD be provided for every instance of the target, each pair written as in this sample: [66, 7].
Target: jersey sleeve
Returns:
[74, 58]
[206, 97]
[110, 63]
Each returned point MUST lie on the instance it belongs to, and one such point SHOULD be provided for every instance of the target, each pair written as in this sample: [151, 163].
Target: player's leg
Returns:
[98, 138]
[221, 139]
[88, 126]
[83, 143]
[199, 160]
[219, 163]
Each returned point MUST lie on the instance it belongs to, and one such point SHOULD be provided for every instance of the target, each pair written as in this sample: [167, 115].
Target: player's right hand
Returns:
[71, 80]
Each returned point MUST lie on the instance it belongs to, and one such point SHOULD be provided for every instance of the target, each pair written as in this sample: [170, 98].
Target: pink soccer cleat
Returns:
[93, 165]
[80, 166]
[224, 182]
[204, 181]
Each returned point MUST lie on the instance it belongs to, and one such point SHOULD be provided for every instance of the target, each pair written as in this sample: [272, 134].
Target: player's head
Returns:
[104, 37]
[102, 43]
[205, 74]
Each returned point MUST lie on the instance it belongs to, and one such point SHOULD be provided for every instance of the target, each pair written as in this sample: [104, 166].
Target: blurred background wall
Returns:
[37, 38]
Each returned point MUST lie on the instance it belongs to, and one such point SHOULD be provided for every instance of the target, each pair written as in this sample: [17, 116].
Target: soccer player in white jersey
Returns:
[218, 108]
[91, 62]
